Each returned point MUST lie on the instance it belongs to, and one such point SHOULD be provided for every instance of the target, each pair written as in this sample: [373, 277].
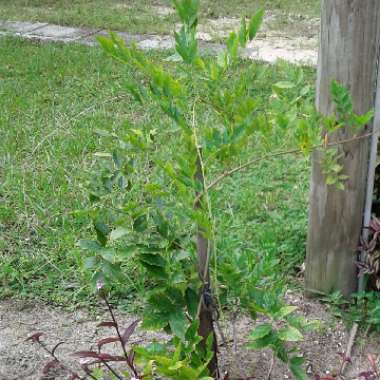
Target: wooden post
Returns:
[349, 50]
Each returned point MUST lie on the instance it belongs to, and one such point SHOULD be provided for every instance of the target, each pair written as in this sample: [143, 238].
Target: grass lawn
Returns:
[137, 16]
[52, 99]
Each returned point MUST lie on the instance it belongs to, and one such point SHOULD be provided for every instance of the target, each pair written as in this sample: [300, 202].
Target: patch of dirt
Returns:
[320, 348]
[293, 38]
[22, 360]
[296, 50]
[274, 25]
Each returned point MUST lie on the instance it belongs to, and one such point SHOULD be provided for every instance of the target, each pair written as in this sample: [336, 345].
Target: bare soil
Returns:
[23, 360]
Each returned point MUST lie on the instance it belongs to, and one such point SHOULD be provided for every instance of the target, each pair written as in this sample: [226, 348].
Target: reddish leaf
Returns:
[107, 324]
[129, 331]
[104, 341]
[111, 358]
[369, 375]
[375, 224]
[35, 337]
[86, 354]
[131, 357]
[50, 365]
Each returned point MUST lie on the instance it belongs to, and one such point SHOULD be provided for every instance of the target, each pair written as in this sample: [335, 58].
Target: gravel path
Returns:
[268, 47]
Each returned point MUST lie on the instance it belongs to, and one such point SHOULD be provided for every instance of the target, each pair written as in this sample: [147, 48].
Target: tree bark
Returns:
[349, 49]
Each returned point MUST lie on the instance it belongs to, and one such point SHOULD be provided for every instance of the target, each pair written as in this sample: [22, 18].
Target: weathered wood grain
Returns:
[349, 48]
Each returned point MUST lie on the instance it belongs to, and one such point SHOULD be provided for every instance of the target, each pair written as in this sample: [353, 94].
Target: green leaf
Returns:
[362, 120]
[161, 224]
[261, 331]
[187, 11]
[186, 45]
[102, 232]
[107, 44]
[331, 180]
[155, 270]
[295, 366]
[255, 23]
[284, 85]
[108, 254]
[140, 224]
[153, 321]
[192, 301]
[243, 33]
[290, 334]
[268, 340]
[182, 255]
[153, 259]
[90, 262]
[233, 45]
[311, 325]
[178, 324]
[89, 245]
[192, 335]
[285, 311]
[118, 233]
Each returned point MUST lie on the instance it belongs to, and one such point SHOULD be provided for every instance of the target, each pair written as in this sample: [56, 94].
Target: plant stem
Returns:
[112, 370]
[119, 334]
[205, 312]
[60, 362]
[269, 376]
[350, 345]
[249, 163]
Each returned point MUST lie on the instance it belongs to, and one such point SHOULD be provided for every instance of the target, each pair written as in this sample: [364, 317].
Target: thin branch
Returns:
[269, 375]
[202, 193]
[63, 366]
[229, 173]
[112, 370]
[350, 345]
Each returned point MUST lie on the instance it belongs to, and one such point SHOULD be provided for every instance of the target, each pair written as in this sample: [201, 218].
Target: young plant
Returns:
[166, 175]
[97, 365]
[370, 266]
[186, 362]
[283, 329]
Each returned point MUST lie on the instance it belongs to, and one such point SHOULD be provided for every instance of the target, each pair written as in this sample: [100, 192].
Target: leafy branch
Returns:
[268, 156]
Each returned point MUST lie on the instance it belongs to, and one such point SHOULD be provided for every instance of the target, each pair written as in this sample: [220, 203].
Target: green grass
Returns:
[137, 16]
[52, 99]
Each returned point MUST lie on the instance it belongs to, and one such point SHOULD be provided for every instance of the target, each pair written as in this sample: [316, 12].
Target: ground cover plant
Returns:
[136, 16]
